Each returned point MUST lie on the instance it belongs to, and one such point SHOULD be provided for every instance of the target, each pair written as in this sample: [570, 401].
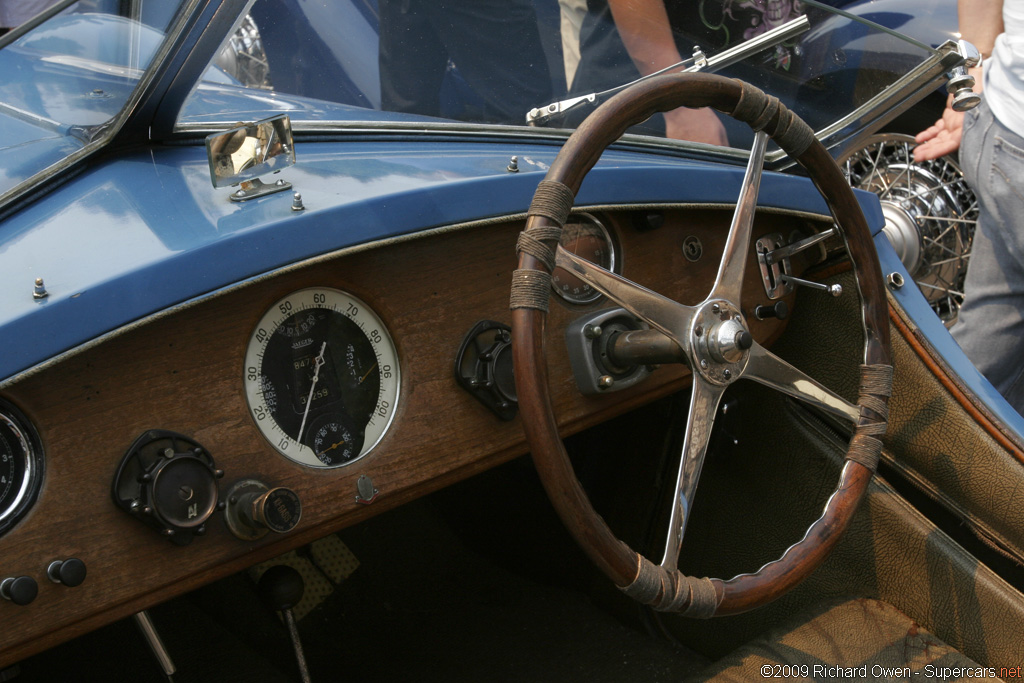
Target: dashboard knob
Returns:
[777, 310]
[254, 508]
[21, 590]
[278, 509]
[70, 572]
[281, 587]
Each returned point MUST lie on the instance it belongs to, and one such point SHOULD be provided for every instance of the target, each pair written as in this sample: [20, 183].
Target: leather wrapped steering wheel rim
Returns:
[662, 585]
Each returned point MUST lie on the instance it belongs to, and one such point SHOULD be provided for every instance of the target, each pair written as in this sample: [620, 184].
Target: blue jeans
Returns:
[990, 329]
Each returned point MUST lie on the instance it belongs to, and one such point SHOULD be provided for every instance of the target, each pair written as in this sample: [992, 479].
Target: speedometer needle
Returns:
[317, 362]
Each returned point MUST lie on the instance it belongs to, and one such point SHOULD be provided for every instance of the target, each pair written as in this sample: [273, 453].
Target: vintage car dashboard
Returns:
[149, 443]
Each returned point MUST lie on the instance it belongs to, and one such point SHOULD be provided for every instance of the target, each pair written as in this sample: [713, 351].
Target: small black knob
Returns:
[779, 310]
[281, 587]
[744, 340]
[21, 590]
[70, 572]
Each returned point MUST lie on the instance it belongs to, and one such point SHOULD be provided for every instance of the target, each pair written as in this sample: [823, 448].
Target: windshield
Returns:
[493, 61]
[66, 77]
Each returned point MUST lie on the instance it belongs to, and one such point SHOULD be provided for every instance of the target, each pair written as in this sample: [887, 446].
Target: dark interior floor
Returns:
[477, 582]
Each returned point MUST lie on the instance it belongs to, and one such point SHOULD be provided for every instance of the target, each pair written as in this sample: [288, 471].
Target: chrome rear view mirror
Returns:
[243, 154]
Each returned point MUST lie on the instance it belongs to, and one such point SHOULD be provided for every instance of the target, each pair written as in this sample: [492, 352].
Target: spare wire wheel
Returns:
[930, 214]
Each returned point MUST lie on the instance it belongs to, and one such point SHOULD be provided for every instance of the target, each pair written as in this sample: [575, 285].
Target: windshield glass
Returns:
[493, 61]
[66, 77]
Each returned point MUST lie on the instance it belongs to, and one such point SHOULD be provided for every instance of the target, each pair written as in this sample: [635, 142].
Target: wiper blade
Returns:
[698, 62]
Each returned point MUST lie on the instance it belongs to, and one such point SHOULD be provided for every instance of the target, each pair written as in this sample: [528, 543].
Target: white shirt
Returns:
[1004, 70]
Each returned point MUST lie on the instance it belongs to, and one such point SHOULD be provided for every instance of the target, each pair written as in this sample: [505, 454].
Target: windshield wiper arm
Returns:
[699, 62]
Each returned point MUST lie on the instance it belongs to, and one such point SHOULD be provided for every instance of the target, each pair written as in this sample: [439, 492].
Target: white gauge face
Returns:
[321, 377]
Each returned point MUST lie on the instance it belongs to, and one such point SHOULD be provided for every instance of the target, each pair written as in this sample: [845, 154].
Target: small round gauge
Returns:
[21, 466]
[321, 377]
[586, 237]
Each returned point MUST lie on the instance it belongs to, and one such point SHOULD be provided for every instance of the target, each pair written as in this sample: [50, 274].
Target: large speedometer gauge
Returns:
[321, 377]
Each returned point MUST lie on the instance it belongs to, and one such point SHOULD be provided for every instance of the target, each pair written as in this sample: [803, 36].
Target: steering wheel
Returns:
[713, 338]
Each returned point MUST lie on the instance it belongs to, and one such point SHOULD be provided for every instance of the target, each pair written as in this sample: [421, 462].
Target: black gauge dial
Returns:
[21, 466]
[584, 236]
[321, 377]
[333, 439]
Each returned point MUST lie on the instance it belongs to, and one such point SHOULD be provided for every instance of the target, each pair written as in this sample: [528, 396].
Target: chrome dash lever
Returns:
[834, 289]
[773, 260]
[778, 255]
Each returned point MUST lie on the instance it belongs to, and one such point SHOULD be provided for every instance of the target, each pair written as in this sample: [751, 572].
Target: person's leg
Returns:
[990, 328]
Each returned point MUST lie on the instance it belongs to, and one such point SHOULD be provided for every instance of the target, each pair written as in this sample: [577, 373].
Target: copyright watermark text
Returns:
[820, 672]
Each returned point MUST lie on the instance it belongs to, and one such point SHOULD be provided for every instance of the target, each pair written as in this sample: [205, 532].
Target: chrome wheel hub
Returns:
[930, 215]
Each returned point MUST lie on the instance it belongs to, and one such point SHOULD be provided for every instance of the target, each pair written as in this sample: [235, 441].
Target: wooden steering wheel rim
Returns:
[605, 125]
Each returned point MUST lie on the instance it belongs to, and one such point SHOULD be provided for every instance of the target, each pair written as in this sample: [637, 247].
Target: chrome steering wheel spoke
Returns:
[729, 280]
[663, 314]
[765, 367]
[704, 401]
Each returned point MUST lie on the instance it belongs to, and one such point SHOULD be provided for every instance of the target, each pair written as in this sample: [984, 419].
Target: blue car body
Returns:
[110, 225]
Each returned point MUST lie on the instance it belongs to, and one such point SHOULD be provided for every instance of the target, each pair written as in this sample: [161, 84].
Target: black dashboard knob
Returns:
[777, 310]
[70, 572]
[281, 587]
[21, 590]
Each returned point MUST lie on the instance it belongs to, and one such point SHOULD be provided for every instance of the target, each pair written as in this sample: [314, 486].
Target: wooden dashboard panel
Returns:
[183, 372]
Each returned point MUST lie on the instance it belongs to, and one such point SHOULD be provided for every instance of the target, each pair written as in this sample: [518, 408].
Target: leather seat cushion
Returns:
[858, 639]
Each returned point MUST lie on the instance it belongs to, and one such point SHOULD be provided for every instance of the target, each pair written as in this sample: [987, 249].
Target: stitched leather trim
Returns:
[944, 376]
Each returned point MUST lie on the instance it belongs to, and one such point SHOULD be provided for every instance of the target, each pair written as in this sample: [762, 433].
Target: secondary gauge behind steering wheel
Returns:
[585, 236]
[321, 377]
[21, 465]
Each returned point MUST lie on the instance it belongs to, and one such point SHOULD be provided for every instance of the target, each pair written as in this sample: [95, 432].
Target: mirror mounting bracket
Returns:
[251, 189]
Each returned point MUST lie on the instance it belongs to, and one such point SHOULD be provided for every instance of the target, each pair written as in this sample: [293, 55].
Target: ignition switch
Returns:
[254, 509]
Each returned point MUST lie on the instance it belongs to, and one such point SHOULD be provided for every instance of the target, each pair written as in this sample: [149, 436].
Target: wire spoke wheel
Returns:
[930, 215]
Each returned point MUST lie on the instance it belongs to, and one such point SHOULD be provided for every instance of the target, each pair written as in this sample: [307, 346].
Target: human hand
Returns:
[696, 125]
[944, 137]
[940, 139]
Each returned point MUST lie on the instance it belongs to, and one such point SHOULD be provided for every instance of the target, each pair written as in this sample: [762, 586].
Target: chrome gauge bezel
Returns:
[26, 448]
[373, 332]
[613, 265]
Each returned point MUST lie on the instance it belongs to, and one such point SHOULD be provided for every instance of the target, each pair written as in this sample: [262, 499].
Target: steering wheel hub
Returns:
[720, 342]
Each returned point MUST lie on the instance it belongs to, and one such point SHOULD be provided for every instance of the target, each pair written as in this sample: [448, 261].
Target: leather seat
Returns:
[859, 639]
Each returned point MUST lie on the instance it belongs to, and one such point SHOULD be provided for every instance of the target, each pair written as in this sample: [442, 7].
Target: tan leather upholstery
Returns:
[859, 639]
[931, 439]
[935, 443]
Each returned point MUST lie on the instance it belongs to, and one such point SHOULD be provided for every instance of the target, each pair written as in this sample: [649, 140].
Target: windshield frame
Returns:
[151, 112]
[838, 136]
[188, 18]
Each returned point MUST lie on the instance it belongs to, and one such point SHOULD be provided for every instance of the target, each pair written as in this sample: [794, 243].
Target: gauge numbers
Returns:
[584, 236]
[321, 377]
[21, 466]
